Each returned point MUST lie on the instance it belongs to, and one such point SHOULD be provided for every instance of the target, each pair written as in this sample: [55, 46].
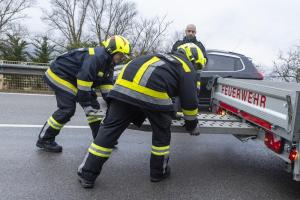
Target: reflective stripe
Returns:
[84, 85]
[61, 83]
[190, 112]
[105, 88]
[99, 151]
[149, 71]
[160, 151]
[190, 118]
[142, 89]
[198, 84]
[100, 74]
[122, 71]
[142, 97]
[92, 119]
[54, 124]
[91, 51]
[143, 68]
[184, 65]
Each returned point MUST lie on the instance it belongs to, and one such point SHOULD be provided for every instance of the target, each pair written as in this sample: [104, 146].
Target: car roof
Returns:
[228, 53]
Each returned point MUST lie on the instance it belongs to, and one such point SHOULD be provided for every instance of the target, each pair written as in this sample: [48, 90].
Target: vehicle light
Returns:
[293, 155]
[274, 143]
[261, 75]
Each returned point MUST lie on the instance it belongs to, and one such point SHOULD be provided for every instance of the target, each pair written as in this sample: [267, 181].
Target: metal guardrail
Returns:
[29, 64]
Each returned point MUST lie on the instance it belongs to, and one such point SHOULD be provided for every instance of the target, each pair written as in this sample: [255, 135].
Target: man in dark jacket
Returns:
[144, 88]
[74, 76]
[190, 37]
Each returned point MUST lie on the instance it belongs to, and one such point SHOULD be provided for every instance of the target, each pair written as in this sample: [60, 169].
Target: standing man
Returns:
[73, 76]
[145, 87]
[190, 37]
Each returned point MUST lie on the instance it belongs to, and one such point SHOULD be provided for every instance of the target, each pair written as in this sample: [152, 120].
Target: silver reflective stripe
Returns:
[83, 162]
[189, 118]
[84, 88]
[99, 151]
[59, 85]
[142, 97]
[149, 71]
[105, 91]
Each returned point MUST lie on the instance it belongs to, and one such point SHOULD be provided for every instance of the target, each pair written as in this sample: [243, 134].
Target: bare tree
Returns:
[68, 17]
[11, 11]
[287, 67]
[111, 17]
[148, 35]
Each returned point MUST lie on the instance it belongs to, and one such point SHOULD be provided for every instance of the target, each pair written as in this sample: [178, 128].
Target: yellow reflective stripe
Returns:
[160, 148]
[142, 89]
[53, 125]
[106, 87]
[190, 112]
[123, 69]
[55, 122]
[92, 119]
[62, 81]
[91, 51]
[184, 65]
[101, 74]
[143, 68]
[160, 153]
[98, 154]
[101, 148]
[84, 83]
[198, 83]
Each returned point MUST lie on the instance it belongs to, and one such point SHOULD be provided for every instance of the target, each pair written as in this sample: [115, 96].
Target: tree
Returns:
[287, 67]
[11, 11]
[14, 48]
[112, 17]
[43, 50]
[148, 35]
[68, 17]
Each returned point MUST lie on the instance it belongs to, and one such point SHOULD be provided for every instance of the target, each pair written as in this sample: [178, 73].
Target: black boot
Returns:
[164, 176]
[84, 182]
[49, 145]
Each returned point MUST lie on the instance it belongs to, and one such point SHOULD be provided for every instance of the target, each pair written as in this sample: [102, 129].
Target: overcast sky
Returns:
[257, 28]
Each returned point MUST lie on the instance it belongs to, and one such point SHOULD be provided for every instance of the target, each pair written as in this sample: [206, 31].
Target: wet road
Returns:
[204, 167]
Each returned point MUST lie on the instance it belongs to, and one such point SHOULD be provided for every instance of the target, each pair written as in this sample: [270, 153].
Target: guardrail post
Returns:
[1, 81]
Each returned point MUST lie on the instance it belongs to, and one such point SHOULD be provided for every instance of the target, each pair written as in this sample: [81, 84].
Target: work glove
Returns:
[90, 111]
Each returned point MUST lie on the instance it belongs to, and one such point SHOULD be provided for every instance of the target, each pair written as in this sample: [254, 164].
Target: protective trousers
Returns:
[119, 116]
[66, 104]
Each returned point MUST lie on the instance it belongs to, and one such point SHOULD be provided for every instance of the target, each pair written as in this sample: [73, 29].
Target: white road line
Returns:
[27, 94]
[36, 126]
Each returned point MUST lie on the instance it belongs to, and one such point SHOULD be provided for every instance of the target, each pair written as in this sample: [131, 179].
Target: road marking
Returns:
[36, 126]
[27, 94]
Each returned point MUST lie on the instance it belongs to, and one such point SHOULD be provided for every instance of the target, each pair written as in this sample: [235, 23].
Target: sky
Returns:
[259, 29]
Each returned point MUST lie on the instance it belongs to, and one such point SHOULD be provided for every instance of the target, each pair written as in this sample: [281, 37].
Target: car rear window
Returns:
[223, 63]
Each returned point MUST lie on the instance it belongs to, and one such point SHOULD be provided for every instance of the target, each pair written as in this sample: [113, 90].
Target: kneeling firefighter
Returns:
[74, 76]
[144, 88]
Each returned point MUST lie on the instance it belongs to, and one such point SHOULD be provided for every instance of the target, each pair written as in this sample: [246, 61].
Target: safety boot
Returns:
[84, 182]
[49, 145]
[164, 176]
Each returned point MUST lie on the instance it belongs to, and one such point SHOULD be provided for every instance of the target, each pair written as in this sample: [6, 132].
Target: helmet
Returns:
[117, 44]
[193, 53]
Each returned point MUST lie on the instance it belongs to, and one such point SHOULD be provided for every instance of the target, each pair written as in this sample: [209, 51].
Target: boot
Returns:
[49, 145]
[84, 182]
[164, 176]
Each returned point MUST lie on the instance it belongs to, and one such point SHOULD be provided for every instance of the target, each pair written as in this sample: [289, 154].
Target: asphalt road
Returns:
[204, 167]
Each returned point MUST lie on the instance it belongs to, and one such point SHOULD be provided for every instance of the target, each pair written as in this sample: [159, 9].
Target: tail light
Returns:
[261, 75]
[293, 155]
[273, 142]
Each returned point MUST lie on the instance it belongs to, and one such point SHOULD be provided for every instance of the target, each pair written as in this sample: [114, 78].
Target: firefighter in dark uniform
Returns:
[144, 89]
[74, 76]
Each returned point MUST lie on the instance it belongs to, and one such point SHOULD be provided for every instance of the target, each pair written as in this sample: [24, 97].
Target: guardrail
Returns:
[29, 64]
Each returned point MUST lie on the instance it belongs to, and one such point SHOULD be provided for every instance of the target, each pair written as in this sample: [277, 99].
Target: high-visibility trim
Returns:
[149, 71]
[100, 74]
[198, 84]
[122, 71]
[183, 64]
[84, 85]
[101, 148]
[106, 88]
[61, 83]
[96, 153]
[143, 68]
[190, 118]
[91, 51]
[142, 89]
[190, 112]
[160, 148]
[160, 151]
[92, 119]
[54, 124]
[142, 97]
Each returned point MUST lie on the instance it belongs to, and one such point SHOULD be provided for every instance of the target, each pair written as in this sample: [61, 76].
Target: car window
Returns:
[223, 63]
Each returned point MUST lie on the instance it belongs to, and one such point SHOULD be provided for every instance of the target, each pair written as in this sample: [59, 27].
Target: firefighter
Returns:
[144, 89]
[74, 76]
